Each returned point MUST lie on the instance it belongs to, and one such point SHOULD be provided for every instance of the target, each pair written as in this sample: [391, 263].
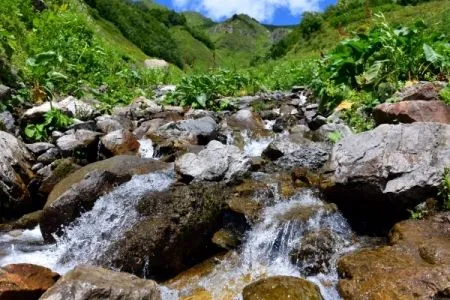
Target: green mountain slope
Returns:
[338, 22]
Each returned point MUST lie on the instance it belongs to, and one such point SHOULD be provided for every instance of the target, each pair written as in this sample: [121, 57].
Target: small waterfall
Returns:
[268, 246]
[87, 238]
[146, 149]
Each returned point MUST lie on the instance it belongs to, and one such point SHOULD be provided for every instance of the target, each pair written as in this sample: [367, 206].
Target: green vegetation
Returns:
[54, 120]
[444, 189]
[208, 90]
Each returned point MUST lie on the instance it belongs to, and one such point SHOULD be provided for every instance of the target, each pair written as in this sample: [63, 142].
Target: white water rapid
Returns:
[266, 251]
[89, 236]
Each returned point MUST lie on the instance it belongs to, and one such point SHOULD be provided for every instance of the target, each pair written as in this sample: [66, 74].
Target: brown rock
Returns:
[120, 142]
[415, 265]
[119, 165]
[420, 91]
[281, 288]
[25, 281]
[89, 283]
[412, 111]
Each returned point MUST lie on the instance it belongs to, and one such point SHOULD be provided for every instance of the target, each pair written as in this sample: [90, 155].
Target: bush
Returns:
[380, 60]
[311, 22]
[204, 91]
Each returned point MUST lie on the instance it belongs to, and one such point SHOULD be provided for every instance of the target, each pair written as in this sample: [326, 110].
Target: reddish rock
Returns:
[416, 265]
[25, 281]
[420, 91]
[120, 142]
[412, 111]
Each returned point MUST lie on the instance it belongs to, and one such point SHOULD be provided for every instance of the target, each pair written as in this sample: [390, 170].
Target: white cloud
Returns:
[262, 10]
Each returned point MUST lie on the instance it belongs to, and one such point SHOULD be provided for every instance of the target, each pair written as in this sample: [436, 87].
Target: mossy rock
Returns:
[282, 288]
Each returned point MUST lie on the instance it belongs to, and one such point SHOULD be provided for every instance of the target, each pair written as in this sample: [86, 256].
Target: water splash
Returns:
[87, 238]
[146, 149]
[266, 251]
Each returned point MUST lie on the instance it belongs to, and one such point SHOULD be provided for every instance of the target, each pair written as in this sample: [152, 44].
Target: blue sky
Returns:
[279, 12]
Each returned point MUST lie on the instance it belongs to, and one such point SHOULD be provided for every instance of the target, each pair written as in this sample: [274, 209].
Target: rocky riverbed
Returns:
[161, 202]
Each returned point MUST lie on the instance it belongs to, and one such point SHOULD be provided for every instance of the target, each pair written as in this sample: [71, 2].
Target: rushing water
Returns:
[266, 251]
[86, 239]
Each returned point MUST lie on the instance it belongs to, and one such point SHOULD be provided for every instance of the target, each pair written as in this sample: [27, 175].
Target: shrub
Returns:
[311, 22]
[205, 90]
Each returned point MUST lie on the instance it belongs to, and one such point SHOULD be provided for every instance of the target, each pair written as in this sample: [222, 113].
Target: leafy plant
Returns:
[445, 94]
[444, 189]
[54, 120]
[209, 90]
[335, 137]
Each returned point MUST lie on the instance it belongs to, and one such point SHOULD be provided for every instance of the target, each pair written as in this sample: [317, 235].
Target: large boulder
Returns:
[80, 198]
[173, 233]
[216, 162]
[412, 111]
[25, 282]
[281, 288]
[15, 175]
[376, 176]
[420, 91]
[416, 264]
[88, 283]
[120, 165]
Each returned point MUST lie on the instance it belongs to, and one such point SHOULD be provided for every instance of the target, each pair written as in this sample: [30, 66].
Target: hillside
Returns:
[319, 33]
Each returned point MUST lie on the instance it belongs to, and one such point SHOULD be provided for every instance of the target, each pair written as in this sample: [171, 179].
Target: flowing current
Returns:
[91, 234]
[269, 244]
[284, 226]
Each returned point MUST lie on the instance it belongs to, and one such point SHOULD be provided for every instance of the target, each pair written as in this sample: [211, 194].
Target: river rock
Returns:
[76, 108]
[416, 264]
[119, 165]
[149, 127]
[376, 176]
[120, 142]
[80, 198]
[27, 221]
[57, 171]
[107, 124]
[39, 148]
[246, 120]
[282, 288]
[5, 92]
[25, 282]
[216, 162]
[204, 129]
[412, 111]
[140, 108]
[15, 175]
[80, 139]
[314, 252]
[49, 156]
[173, 233]
[420, 91]
[8, 123]
[36, 113]
[88, 283]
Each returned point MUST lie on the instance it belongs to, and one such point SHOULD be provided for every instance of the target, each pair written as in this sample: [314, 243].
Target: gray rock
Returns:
[138, 109]
[39, 148]
[107, 124]
[54, 173]
[8, 124]
[246, 120]
[88, 283]
[37, 167]
[79, 198]
[378, 175]
[5, 92]
[323, 133]
[88, 125]
[80, 139]
[49, 156]
[15, 175]
[204, 129]
[312, 157]
[148, 127]
[36, 113]
[77, 108]
[284, 145]
[216, 162]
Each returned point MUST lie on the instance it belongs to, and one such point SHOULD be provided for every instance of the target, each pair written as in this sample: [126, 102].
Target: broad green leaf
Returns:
[431, 55]
[202, 100]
